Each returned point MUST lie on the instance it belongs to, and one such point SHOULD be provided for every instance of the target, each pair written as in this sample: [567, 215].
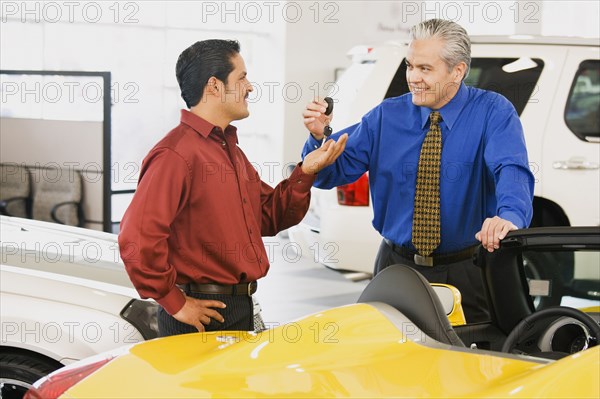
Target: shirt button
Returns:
[223, 143]
[245, 202]
[298, 181]
[250, 231]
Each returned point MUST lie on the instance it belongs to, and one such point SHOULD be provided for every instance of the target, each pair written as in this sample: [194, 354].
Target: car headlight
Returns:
[142, 315]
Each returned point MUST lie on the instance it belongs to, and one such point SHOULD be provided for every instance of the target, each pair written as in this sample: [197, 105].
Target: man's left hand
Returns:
[324, 156]
[492, 231]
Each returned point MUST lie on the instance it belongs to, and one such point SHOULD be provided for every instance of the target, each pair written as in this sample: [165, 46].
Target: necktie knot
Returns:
[435, 118]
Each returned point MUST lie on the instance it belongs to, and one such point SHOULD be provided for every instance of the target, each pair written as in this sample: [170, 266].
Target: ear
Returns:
[459, 71]
[212, 86]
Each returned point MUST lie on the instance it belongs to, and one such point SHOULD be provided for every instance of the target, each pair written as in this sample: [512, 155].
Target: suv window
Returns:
[514, 78]
[582, 112]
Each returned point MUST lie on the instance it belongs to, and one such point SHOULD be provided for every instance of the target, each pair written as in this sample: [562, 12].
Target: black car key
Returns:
[328, 130]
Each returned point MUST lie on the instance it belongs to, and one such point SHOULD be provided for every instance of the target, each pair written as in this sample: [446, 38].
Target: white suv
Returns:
[554, 84]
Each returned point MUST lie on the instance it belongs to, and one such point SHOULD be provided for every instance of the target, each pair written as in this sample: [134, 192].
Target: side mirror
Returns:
[452, 302]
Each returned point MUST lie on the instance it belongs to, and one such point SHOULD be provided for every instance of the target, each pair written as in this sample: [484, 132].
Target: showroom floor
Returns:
[297, 286]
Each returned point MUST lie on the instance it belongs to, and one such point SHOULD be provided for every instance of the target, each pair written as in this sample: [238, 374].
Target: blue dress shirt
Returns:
[484, 172]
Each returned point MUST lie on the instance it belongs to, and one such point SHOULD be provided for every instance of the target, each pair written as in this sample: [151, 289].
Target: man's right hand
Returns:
[315, 118]
[199, 312]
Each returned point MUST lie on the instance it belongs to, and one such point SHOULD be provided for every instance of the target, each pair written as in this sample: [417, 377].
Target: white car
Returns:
[554, 84]
[64, 296]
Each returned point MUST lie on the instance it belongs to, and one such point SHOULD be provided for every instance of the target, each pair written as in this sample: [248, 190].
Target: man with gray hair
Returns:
[448, 165]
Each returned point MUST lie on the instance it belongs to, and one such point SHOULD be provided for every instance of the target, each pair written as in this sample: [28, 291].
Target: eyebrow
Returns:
[419, 65]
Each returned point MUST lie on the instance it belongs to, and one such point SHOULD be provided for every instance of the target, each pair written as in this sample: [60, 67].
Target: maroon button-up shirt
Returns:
[199, 212]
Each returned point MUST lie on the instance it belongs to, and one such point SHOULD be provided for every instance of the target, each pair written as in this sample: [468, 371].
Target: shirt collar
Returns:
[449, 111]
[203, 126]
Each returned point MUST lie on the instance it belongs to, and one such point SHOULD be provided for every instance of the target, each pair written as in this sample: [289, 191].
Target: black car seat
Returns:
[409, 292]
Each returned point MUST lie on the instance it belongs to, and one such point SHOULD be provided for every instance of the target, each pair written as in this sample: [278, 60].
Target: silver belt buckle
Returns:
[423, 260]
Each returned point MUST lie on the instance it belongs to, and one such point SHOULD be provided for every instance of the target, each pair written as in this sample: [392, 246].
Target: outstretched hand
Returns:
[324, 156]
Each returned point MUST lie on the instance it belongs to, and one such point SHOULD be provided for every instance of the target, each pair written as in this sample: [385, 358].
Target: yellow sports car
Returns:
[396, 342]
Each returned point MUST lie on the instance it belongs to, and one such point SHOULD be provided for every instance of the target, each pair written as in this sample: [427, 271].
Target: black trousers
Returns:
[464, 275]
[238, 315]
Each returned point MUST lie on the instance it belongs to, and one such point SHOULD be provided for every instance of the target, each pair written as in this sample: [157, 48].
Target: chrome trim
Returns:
[545, 341]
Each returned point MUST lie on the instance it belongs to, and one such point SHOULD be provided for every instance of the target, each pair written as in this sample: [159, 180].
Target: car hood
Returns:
[64, 254]
[351, 351]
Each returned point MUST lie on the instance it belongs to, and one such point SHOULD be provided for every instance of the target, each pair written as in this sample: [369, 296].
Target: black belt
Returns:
[219, 289]
[433, 260]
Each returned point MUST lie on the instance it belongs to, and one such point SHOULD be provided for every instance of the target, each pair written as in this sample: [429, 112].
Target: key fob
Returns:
[327, 131]
[329, 102]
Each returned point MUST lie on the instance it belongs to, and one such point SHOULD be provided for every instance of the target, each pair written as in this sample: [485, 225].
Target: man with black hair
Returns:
[191, 237]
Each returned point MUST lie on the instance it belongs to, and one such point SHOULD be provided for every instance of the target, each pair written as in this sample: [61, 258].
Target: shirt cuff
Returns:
[300, 181]
[173, 301]
[514, 218]
[313, 142]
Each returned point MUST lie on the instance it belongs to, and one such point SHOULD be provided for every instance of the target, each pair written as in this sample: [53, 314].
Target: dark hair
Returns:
[197, 63]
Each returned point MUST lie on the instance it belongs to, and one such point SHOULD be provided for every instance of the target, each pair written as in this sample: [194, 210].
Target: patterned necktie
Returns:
[426, 218]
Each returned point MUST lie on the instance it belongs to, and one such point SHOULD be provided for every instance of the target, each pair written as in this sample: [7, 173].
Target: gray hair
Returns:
[457, 44]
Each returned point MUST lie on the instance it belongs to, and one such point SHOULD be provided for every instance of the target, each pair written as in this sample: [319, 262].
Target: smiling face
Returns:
[234, 95]
[431, 83]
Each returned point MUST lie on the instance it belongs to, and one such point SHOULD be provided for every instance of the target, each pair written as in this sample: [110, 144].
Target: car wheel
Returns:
[19, 371]
[539, 266]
